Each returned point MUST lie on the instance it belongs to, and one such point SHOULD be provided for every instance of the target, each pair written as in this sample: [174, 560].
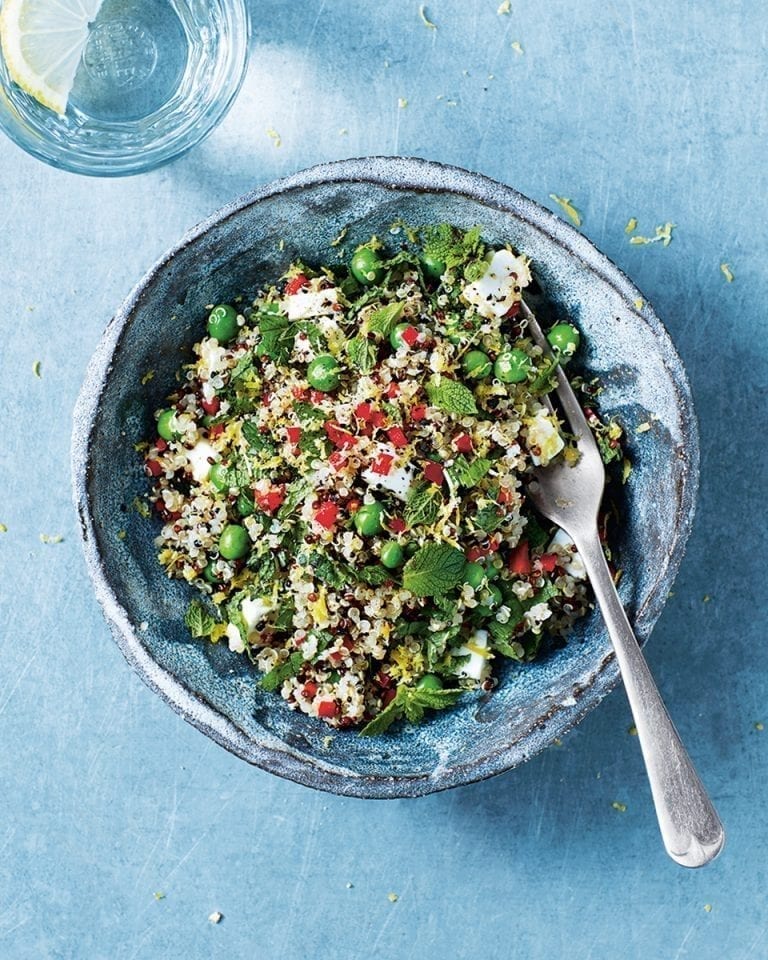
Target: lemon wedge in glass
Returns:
[42, 42]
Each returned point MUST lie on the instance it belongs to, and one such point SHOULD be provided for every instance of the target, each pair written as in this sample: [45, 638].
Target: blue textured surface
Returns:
[637, 110]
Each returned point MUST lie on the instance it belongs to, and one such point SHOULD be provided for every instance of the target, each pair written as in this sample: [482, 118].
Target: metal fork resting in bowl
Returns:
[570, 496]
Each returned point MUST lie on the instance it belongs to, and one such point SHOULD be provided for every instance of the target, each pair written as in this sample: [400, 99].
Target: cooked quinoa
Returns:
[340, 475]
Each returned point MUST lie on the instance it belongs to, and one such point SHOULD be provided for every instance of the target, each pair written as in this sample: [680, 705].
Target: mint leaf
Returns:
[434, 570]
[489, 518]
[266, 570]
[451, 396]
[468, 473]
[198, 620]
[331, 572]
[436, 699]
[244, 364]
[384, 720]
[277, 337]
[375, 575]
[362, 354]
[422, 504]
[274, 679]
[382, 322]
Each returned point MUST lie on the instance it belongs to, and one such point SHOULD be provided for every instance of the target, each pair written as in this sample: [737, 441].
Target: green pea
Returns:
[455, 332]
[222, 323]
[218, 477]
[369, 519]
[477, 364]
[366, 266]
[512, 366]
[433, 266]
[491, 601]
[474, 574]
[164, 428]
[564, 338]
[411, 549]
[430, 681]
[210, 573]
[324, 372]
[234, 542]
[391, 555]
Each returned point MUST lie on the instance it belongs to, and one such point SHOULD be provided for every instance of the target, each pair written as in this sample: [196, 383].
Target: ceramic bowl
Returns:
[232, 253]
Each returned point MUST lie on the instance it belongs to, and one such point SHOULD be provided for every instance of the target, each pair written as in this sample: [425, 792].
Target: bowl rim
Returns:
[270, 753]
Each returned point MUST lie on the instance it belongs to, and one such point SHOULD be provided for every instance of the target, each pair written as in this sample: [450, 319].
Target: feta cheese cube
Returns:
[494, 293]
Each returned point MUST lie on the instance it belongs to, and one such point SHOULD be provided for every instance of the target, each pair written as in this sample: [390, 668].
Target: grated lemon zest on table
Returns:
[566, 204]
[517, 47]
[504, 7]
[727, 272]
[147, 377]
[274, 136]
[631, 225]
[36, 369]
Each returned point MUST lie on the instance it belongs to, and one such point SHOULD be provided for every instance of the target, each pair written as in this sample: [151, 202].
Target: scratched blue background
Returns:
[641, 109]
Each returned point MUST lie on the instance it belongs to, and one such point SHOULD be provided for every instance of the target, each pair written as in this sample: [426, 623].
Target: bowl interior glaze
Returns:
[232, 254]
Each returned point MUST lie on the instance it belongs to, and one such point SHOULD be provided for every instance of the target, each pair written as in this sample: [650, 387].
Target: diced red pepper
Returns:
[520, 560]
[327, 513]
[393, 390]
[161, 444]
[410, 335]
[337, 460]
[397, 525]
[211, 406]
[377, 418]
[309, 689]
[327, 709]
[476, 553]
[294, 285]
[316, 396]
[548, 562]
[383, 679]
[418, 412]
[293, 434]
[434, 472]
[270, 501]
[388, 696]
[216, 430]
[154, 468]
[463, 443]
[337, 436]
[363, 411]
[505, 496]
[397, 437]
[301, 393]
[382, 464]
[348, 642]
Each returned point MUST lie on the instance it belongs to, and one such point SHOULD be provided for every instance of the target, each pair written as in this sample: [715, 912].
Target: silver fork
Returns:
[570, 496]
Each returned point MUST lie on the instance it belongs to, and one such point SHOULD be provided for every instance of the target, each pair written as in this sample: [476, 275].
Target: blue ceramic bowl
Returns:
[232, 253]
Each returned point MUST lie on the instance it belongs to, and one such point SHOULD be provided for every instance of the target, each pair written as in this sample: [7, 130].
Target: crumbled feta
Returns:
[236, 643]
[497, 290]
[399, 479]
[199, 459]
[536, 616]
[575, 566]
[544, 440]
[254, 611]
[311, 303]
[478, 666]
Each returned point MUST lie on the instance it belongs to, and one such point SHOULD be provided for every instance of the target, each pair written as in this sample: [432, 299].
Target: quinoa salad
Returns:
[340, 473]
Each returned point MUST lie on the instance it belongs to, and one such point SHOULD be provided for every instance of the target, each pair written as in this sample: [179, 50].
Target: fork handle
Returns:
[690, 827]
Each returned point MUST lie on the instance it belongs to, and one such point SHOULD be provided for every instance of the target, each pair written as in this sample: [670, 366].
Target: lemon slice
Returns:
[42, 43]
